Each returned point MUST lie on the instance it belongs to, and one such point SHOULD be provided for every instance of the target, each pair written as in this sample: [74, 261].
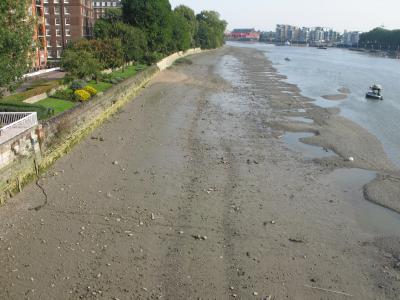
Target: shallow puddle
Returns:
[370, 216]
[292, 139]
[301, 119]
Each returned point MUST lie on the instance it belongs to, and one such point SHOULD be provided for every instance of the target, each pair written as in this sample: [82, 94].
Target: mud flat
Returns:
[344, 90]
[355, 146]
[336, 97]
[190, 192]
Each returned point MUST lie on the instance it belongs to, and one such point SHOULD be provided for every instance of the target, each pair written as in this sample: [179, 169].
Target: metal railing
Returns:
[15, 123]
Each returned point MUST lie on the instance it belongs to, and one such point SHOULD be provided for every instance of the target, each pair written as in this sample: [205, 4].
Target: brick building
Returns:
[244, 35]
[66, 21]
[100, 7]
[39, 56]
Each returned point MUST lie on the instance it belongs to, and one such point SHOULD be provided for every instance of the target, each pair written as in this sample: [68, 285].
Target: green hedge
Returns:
[32, 91]
[42, 112]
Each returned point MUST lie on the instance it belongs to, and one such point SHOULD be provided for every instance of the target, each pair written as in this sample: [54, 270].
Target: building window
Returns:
[48, 32]
[58, 43]
[58, 22]
[67, 32]
[66, 10]
[57, 10]
[67, 21]
[58, 53]
[58, 32]
[46, 10]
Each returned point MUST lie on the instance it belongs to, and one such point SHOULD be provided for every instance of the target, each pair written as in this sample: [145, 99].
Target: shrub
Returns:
[64, 94]
[10, 106]
[91, 90]
[80, 64]
[78, 84]
[104, 77]
[82, 95]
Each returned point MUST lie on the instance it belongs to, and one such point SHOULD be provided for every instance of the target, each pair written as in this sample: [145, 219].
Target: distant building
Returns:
[66, 21]
[244, 35]
[351, 38]
[267, 36]
[100, 7]
[39, 55]
[288, 34]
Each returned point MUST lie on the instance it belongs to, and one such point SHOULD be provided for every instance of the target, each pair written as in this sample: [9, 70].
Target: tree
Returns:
[153, 17]
[16, 37]
[108, 51]
[113, 15]
[181, 35]
[190, 17]
[211, 30]
[102, 29]
[80, 64]
[134, 40]
[381, 38]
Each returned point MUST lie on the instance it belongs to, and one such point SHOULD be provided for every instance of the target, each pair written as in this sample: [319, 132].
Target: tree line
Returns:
[381, 39]
[16, 37]
[143, 31]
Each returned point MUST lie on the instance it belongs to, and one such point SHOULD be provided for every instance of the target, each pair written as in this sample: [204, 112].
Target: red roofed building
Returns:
[245, 35]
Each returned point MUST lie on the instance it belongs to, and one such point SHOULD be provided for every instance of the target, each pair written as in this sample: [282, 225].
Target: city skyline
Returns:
[355, 15]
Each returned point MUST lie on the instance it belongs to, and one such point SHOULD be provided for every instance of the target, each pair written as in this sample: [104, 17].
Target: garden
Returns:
[63, 99]
[142, 31]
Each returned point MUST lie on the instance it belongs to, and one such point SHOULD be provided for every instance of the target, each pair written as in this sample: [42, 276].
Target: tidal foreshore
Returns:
[192, 192]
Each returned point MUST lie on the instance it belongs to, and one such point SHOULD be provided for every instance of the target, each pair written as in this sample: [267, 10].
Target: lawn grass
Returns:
[100, 86]
[124, 73]
[128, 71]
[57, 105]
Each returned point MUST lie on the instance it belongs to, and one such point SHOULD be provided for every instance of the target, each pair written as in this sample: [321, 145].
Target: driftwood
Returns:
[330, 291]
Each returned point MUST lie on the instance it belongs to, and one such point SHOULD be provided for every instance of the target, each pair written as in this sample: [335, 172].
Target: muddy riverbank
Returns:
[353, 145]
[191, 192]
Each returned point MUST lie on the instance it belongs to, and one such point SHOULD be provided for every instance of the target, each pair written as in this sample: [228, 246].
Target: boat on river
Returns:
[374, 92]
[287, 59]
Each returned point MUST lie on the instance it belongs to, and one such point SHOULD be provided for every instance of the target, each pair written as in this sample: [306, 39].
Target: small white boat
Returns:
[374, 92]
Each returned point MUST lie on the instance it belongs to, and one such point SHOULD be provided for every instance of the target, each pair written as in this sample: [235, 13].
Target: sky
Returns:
[353, 15]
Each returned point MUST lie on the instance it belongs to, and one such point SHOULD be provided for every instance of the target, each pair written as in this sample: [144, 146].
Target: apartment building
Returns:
[39, 55]
[100, 7]
[66, 21]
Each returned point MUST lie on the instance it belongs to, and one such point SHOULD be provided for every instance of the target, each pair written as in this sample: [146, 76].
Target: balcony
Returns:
[15, 123]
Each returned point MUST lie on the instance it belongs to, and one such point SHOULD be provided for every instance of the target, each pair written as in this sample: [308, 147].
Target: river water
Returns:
[322, 72]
